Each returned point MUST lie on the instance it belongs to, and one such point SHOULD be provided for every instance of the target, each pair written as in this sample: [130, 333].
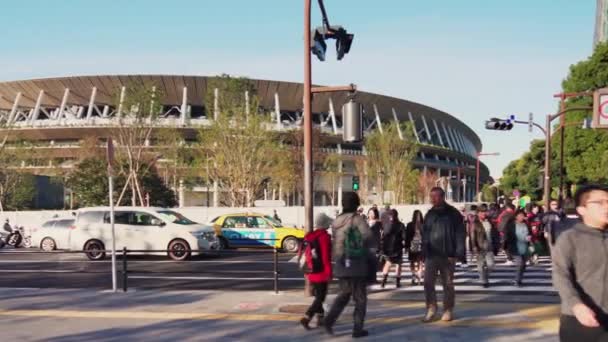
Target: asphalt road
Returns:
[231, 270]
[242, 269]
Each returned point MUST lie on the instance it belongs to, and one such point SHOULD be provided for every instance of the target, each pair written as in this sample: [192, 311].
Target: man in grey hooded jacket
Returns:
[352, 272]
[580, 269]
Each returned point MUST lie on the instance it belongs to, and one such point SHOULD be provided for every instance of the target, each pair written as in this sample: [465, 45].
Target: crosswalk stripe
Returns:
[537, 277]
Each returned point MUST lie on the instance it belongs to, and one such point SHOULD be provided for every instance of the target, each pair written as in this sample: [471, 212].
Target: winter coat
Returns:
[324, 242]
[393, 239]
[443, 233]
[511, 239]
[479, 238]
[358, 267]
[376, 229]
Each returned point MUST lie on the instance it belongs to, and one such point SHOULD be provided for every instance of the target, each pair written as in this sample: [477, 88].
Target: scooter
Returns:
[16, 238]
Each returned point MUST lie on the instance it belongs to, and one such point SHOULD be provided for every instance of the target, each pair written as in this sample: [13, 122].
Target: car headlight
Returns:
[209, 236]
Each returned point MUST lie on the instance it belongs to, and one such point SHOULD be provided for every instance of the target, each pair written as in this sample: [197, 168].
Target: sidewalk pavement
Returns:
[81, 315]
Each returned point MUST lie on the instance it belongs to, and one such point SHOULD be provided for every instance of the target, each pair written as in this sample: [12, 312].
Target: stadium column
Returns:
[378, 122]
[11, 116]
[64, 101]
[36, 111]
[91, 103]
[332, 113]
[277, 110]
[184, 108]
[398, 124]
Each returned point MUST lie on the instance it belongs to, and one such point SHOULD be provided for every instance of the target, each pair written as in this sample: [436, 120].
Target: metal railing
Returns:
[126, 253]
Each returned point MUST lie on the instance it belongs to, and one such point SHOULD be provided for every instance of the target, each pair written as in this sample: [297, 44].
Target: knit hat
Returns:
[322, 221]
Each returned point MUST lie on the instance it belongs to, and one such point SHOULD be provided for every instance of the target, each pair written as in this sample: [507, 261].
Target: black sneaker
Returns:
[520, 284]
[305, 321]
[360, 333]
[328, 329]
[486, 285]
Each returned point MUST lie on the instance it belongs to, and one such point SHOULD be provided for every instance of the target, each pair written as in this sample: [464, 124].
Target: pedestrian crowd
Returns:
[360, 244]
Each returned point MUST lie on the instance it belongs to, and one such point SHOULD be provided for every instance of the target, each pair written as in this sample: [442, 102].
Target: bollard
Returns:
[276, 270]
[124, 269]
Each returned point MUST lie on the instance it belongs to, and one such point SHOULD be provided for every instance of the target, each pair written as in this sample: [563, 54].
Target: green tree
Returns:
[390, 160]
[91, 187]
[243, 151]
[585, 151]
[19, 195]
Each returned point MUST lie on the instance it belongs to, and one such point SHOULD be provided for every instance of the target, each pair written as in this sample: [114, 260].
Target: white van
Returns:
[141, 228]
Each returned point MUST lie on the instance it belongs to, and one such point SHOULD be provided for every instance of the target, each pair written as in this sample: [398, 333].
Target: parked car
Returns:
[141, 229]
[255, 230]
[53, 234]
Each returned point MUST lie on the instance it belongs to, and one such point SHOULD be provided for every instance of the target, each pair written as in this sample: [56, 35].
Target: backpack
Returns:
[353, 243]
[309, 257]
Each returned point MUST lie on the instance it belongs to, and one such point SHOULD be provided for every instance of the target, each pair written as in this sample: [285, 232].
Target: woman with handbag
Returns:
[413, 244]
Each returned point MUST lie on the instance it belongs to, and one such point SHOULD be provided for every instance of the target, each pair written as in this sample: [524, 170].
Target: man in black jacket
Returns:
[443, 242]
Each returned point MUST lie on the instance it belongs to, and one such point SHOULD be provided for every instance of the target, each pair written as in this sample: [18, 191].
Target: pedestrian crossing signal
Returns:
[355, 183]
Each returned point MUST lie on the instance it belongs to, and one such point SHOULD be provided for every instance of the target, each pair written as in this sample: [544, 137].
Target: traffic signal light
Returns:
[355, 183]
[498, 124]
[344, 40]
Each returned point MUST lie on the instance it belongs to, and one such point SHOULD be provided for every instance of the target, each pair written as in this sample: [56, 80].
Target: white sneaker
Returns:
[509, 263]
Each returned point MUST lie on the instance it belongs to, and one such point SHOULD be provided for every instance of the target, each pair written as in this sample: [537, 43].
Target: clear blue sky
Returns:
[471, 58]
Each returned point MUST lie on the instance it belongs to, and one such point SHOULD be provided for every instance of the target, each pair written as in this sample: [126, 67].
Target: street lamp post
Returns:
[342, 46]
[307, 121]
[547, 182]
[479, 154]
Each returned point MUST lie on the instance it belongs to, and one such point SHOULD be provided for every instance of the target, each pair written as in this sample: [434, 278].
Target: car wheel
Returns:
[179, 250]
[290, 245]
[95, 250]
[223, 243]
[48, 244]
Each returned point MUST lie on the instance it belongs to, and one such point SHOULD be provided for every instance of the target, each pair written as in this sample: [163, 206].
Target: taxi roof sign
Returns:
[600, 108]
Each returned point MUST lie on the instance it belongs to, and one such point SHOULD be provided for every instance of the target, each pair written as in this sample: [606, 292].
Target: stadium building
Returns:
[58, 113]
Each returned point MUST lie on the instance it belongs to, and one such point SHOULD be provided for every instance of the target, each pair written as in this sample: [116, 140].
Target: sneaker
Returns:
[509, 263]
[360, 333]
[430, 316]
[447, 316]
[328, 329]
[305, 322]
[320, 320]
[485, 285]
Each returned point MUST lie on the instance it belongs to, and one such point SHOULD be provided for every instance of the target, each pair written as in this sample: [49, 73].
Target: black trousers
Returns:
[571, 330]
[319, 290]
[357, 288]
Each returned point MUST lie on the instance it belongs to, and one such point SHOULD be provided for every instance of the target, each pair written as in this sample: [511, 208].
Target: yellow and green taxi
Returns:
[255, 230]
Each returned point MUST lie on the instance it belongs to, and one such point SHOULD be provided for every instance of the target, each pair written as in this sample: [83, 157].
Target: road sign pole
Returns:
[110, 157]
[111, 186]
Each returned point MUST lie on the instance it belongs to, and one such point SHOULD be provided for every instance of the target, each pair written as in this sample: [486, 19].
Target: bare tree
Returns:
[139, 110]
[331, 167]
[426, 181]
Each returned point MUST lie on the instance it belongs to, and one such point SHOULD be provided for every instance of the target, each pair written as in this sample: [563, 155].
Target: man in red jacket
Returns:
[320, 245]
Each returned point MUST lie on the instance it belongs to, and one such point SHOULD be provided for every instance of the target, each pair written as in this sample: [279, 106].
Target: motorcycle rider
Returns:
[7, 227]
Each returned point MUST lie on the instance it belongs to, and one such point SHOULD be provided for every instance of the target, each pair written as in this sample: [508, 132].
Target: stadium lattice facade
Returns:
[58, 113]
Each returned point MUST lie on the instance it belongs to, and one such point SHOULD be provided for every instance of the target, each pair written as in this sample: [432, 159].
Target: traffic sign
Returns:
[600, 108]
[531, 123]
